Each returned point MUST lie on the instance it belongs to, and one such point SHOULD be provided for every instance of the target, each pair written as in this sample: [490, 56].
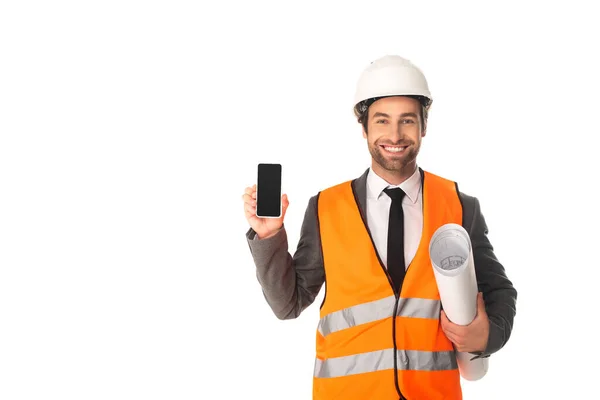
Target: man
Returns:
[382, 334]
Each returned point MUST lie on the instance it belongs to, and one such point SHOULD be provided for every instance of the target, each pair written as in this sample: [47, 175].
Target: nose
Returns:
[396, 132]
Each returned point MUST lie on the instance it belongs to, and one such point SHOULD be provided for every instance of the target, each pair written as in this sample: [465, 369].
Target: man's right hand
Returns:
[264, 227]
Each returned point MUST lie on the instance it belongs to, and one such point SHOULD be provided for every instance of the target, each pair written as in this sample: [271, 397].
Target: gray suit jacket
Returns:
[291, 283]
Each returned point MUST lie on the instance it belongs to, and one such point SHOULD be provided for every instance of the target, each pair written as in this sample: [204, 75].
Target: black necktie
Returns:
[395, 244]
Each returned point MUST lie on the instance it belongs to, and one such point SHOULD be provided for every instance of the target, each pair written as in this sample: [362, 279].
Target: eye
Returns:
[380, 121]
[408, 121]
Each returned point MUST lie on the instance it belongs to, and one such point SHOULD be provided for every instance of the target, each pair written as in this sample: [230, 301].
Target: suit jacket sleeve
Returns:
[499, 294]
[290, 283]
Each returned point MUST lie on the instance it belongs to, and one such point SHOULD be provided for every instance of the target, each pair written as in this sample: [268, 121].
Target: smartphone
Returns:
[268, 191]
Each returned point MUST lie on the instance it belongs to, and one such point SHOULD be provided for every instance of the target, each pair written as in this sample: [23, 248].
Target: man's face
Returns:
[394, 132]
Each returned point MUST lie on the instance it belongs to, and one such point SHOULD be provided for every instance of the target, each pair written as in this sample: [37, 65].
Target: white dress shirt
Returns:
[378, 212]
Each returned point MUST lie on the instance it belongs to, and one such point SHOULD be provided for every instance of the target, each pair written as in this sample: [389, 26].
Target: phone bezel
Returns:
[280, 190]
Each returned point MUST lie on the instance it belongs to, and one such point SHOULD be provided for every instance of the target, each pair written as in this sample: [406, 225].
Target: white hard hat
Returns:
[391, 76]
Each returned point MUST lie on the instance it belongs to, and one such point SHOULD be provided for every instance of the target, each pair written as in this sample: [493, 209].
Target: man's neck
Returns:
[395, 177]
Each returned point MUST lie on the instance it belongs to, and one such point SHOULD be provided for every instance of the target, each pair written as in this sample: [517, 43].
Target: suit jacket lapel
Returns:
[359, 185]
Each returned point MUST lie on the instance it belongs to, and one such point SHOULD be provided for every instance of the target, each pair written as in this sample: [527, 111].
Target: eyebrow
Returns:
[404, 115]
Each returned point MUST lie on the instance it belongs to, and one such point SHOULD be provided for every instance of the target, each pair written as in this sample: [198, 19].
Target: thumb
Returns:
[284, 204]
[480, 303]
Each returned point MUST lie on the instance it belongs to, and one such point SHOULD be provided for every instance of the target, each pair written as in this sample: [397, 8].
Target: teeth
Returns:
[394, 149]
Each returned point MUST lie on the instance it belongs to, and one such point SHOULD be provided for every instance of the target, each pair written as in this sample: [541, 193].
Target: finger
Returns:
[462, 349]
[455, 339]
[443, 320]
[450, 327]
[446, 324]
[251, 189]
[248, 199]
[250, 209]
[250, 215]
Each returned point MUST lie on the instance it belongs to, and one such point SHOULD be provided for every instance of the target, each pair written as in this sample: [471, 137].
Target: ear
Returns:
[364, 133]
[424, 131]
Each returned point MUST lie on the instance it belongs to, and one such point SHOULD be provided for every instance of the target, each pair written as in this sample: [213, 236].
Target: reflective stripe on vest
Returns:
[377, 310]
[384, 359]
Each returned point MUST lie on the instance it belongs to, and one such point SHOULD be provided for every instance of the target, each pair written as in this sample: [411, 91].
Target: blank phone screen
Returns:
[268, 190]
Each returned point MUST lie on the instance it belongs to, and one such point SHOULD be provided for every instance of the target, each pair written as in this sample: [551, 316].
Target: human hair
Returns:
[361, 110]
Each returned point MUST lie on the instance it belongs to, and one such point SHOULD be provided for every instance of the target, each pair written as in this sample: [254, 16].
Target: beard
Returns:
[394, 163]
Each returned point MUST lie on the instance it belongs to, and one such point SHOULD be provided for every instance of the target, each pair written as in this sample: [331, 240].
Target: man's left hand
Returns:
[472, 337]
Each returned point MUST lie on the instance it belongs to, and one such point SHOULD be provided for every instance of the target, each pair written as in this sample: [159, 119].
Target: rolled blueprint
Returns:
[451, 256]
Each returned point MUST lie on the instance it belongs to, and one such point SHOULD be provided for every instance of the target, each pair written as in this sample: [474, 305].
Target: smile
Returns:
[394, 149]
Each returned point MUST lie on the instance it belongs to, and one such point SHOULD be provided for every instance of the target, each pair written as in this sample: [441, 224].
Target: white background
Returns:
[129, 131]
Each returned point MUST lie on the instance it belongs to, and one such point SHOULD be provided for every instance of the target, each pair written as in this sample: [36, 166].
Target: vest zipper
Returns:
[396, 294]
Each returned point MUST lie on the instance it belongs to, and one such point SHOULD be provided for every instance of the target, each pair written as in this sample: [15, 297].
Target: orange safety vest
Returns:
[372, 343]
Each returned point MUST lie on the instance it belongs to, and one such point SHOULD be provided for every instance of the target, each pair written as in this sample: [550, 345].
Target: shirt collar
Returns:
[411, 186]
